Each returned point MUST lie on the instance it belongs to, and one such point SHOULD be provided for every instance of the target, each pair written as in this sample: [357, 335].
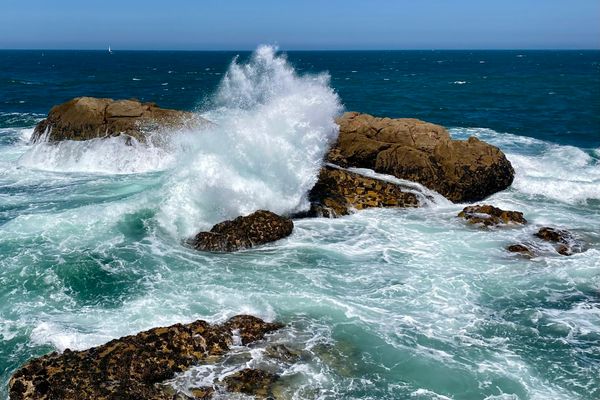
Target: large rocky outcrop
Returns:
[338, 192]
[422, 152]
[86, 118]
[133, 367]
[244, 232]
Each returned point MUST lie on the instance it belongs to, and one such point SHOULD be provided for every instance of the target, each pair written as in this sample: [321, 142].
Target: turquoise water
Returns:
[385, 304]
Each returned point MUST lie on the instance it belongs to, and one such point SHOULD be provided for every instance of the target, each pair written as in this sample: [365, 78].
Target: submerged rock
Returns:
[282, 353]
[558, 241]
[520, 249]
[253, 382]
[252, 230]
[132, 367]
[489, 215]
[202, 393]
[422, 152]
[338, 192]
[84, 118]
[565, 242]
[554, 235]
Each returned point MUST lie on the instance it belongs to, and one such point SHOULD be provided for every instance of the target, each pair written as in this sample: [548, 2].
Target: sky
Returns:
[299, 25]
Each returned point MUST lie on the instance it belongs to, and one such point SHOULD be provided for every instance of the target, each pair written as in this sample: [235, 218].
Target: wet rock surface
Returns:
[133, 367]
[422, 152]
[565, 243]
[202, 393]
[550, 241]
[283, 353]
[554, 235]
[338, 192]
[520, 249]
[249, 328]
[489, 215]
[253, 382]
[85, 118]
[245, 232]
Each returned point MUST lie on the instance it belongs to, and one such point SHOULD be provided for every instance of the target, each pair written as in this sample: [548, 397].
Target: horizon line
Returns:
[319, 49]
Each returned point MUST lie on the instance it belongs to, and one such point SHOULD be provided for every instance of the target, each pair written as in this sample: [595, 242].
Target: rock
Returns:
[422, 152]
[131, 367]
[564, 250]
[561, 241]
[253, 382]
[565, 242]
[490, 216]
[338, 192]
[255, 229]
[521, 249]
[554, 235]
[84, 118]
[282, 353]
[249, 328]
[202, 393]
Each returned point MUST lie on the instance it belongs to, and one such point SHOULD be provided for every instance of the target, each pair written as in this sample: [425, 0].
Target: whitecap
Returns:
[272, 130]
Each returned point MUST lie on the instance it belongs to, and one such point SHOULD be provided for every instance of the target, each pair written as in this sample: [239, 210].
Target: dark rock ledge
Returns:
[244, 232]
[488, 215]
[133, 367]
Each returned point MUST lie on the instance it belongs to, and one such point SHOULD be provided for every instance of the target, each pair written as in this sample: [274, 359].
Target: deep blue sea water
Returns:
[386, 304]
[550, 95]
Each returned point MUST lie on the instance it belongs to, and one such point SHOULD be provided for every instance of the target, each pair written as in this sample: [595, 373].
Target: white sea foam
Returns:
[115, 155]
[425, 196]
[383, 302]
[272, 130]
[562, 173]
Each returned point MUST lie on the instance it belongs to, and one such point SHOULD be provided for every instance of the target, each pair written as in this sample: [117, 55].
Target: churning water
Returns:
[385, 303]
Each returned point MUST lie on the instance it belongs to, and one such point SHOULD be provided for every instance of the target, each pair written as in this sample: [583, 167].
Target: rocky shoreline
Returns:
[135, 367]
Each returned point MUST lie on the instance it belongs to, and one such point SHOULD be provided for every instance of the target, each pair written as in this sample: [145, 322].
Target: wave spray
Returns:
[272, 130]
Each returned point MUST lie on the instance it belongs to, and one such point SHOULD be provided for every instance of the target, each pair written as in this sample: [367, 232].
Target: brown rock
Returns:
[564, 250]
[490, 216]
[338, 191]
[554, 235]
[282, 353]
[422, 152]
[203, 393]
[130, 367]
[521, 249]
[84, 118]
[253, 382]
[255, 229]
[250, 329]
[566, 243]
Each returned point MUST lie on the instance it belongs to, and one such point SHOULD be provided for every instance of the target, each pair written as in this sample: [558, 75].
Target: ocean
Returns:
[384, 303]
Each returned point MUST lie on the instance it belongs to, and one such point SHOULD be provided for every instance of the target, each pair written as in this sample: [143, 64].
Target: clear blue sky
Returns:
[295, 24]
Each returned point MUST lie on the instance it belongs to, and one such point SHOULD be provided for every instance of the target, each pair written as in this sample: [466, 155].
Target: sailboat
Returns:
[109, 50]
